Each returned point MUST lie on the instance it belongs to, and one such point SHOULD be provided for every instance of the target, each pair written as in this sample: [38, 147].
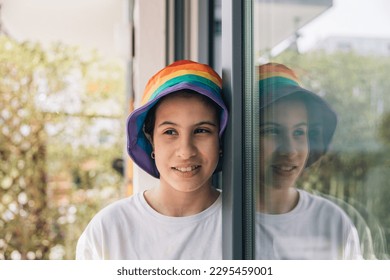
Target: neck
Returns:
[277, 201]
[180, 204]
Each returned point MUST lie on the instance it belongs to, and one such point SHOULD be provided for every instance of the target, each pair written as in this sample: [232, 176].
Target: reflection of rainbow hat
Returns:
[180, 75]
[277, 81]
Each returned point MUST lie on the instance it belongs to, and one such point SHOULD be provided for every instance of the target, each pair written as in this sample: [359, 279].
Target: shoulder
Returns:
[323, 210]
[117, 211]
[106, 225]
[316, 203]
[315, 200]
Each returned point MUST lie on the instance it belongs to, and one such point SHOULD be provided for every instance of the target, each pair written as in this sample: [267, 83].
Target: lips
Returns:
[185, 169]
[284, 168]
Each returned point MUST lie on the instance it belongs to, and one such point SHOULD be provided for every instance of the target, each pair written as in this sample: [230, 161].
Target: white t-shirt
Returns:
[315, 229]
[131, 229]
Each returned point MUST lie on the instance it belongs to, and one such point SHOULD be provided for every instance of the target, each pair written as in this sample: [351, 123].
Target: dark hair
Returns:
[150, 120]
[151, 115]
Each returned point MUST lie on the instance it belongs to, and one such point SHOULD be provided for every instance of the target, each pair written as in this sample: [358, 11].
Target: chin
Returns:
[278, 185]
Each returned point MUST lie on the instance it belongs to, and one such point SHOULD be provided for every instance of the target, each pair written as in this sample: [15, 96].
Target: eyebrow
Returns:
[277, 124]
[197, 124]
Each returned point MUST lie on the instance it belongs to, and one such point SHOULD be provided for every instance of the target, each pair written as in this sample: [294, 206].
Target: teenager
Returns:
[174, 136]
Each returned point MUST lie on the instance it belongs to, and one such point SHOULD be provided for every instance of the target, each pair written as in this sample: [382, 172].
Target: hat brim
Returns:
[323, 120]
[139, 147]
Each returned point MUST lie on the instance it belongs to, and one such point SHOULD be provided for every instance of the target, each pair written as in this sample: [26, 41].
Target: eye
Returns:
[269, 131]
[170, 132]
[300, 132]
[201, 130]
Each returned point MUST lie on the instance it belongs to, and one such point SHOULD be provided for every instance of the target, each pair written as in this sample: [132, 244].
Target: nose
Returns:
[186, 147]
[287, 146]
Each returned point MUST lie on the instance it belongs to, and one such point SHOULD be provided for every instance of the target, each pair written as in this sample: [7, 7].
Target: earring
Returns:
[220, 153]
[152, 155]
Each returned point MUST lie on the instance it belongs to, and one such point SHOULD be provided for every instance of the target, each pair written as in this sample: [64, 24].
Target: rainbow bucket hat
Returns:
[276, 81]
[180, 75]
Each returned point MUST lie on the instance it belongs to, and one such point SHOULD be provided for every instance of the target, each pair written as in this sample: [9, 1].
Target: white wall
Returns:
[150, 53]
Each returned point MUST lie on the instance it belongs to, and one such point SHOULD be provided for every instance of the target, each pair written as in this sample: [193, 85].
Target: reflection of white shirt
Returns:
[315, 229]
[131, 229]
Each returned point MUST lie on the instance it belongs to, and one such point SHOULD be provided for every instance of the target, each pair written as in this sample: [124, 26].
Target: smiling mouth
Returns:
[186, 169]
[284, 168]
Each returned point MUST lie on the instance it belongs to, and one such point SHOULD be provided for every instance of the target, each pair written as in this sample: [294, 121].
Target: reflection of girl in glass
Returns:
[296, 128]
[174, 136]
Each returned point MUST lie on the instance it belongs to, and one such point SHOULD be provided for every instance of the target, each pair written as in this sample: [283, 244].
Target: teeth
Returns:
[285, 168]
[186, 169]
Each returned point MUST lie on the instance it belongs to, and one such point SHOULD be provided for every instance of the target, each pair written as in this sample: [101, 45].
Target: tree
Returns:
[54, 105]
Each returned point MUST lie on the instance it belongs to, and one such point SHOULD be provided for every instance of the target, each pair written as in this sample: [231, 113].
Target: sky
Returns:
[356, 18]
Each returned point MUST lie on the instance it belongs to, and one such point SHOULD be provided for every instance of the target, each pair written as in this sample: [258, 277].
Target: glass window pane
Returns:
[324, 117]
[240, 153]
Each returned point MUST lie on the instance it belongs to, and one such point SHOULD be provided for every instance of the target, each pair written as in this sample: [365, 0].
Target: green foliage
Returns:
[61, 124]
[355, 85]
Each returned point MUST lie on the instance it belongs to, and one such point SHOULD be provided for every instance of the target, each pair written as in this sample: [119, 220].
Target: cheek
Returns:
[161, 151]
[210, 148]
[304, 149]
[267, 148]
[162, 144]
[214, 147]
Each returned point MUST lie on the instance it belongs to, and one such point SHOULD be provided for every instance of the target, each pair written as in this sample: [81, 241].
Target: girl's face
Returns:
[186, 142]
[283, 143]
